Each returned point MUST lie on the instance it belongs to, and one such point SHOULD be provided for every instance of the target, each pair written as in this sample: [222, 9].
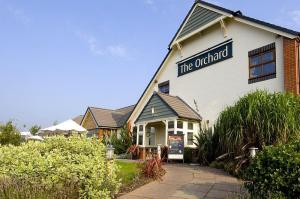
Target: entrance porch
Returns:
[163, 118]
[152, 134]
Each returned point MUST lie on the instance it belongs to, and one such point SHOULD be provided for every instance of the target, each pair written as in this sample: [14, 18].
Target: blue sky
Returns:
[58, 57]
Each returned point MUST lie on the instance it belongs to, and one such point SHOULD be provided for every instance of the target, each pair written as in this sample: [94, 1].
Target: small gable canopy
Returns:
[161, 106]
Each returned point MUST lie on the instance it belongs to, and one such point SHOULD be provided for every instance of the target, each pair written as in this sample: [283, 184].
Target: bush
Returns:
[274, 172]
[58, 163]
[9, 134]
[123, 143]
[206, 143]
[259, 119]
[152, 168]
[256, 120]
[190, 155]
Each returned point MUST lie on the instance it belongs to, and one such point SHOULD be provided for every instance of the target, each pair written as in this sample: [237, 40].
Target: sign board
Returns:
[213, 55]
[176, 147]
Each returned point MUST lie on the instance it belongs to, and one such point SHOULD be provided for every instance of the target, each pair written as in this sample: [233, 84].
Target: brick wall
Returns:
[291, 65]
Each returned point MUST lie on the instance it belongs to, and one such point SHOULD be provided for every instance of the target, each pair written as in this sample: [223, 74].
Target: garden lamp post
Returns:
[253, 151]
[110, 152]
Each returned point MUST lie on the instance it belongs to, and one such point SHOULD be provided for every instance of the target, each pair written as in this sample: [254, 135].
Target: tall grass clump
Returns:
[258, 119]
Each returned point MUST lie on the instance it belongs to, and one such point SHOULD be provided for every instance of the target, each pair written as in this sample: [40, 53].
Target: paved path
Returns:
[189, 182]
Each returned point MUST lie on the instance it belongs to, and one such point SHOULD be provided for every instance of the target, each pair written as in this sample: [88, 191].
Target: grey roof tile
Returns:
[182, 109]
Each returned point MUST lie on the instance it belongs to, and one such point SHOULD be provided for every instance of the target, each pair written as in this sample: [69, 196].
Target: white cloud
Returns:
[149, 2]
[117, 50]
[95, 48]
[19, 14]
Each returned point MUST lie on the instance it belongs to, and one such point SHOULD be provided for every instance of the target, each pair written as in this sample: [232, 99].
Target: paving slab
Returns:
[189, 182]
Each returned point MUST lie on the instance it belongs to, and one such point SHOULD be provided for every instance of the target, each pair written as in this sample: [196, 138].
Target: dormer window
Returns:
[164, 87]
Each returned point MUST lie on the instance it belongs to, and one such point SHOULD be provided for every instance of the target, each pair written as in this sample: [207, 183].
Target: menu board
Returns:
[176, 147]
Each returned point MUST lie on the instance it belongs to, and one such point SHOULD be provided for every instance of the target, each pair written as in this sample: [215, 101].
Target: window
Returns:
[170, 124]
[164, 87]
[140, 139]
[262, 63]
[179, 124]
[190, 138]
[152, 137]
[134, 135]
[141, 128]
[190, 126]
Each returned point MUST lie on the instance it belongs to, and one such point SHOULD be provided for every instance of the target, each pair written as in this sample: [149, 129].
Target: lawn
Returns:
[129, 171]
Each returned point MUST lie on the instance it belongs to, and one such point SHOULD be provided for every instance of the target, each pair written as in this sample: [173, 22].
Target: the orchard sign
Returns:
[205, 58]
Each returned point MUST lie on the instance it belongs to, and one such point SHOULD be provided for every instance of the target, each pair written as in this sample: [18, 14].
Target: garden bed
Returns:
[130, 175]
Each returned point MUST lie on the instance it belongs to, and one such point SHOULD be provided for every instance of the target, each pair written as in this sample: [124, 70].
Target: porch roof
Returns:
[167, 106]
[182, 109]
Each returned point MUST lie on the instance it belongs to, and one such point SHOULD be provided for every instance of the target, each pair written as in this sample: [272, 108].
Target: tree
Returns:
[35, 129]
[9, 134]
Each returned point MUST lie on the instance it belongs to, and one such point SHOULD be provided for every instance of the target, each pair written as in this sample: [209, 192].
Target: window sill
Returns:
[263, 78]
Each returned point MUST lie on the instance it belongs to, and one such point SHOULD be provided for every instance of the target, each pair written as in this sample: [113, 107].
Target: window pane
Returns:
[140, 139]
[164, 87]
[255, 72]
[268, 56]
[141, 128]
[190, 126]
[254, 60]
[179, 124]
[190, 138]
[179, 132]
[171, 124]
[269, 68]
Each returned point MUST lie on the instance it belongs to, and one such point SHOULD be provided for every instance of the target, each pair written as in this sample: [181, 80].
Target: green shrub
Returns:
[259, 119]
[256, 120]
[122, 143]
[206, 142]
[275, 172]
[190, 155]
[9, 134]
[59, 162]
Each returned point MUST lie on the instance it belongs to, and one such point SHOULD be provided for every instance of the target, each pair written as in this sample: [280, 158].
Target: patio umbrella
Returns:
[64, 128]
[36, 138]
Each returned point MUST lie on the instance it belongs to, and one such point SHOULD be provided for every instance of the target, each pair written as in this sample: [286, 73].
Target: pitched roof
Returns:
[237, 14]
[78, 119]
[111, 118]
[179, 106]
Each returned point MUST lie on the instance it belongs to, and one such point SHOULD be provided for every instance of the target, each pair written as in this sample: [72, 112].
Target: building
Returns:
[102, 122]
[78, 119]
[216, 56]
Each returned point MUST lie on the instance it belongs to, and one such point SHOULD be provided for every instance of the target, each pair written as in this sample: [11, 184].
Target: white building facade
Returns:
[216, 57]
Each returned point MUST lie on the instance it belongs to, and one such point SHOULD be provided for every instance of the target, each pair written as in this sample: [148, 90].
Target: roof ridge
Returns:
[101, 108]
[189, 106]
[239, 14]
[125, 107]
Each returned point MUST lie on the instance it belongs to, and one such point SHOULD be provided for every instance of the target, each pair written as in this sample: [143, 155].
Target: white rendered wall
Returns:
[221, 84]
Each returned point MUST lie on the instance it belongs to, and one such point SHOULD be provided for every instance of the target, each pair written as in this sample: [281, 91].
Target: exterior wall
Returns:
[219, 85]
[291, 65]
[161, 110]
[88, 122]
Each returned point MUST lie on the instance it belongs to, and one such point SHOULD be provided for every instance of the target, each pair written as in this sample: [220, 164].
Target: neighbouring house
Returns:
[78, 119]
[216, 56]
[102, 122]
